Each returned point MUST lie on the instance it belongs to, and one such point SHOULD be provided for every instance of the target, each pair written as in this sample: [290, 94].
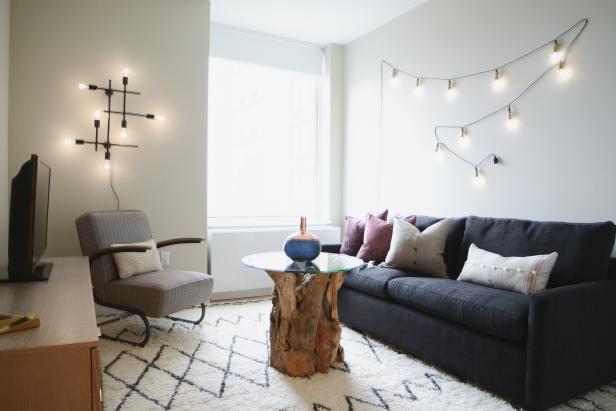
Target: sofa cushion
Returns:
[451, 255]
[583, 249]
[499, 313]
[372, 280]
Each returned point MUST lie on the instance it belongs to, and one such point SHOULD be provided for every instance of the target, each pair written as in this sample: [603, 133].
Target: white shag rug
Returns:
[222, 364]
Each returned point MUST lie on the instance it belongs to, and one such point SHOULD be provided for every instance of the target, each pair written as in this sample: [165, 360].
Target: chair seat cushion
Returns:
[160, 293]
[499, 313]
[372, 280]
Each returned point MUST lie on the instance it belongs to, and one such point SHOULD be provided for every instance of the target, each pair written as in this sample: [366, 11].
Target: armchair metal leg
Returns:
[191, 321]
[141, 343]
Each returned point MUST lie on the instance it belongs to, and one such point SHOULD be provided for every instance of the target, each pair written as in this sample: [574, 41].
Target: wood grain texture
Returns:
[304, 325]
[64, 305]
[55, 366]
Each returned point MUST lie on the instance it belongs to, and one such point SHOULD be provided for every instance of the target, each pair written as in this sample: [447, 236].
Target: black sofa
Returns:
[536, 351]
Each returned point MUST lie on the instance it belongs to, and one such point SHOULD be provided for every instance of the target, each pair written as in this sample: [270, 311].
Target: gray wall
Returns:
[4, 126]
[558, 165]
[56, 44]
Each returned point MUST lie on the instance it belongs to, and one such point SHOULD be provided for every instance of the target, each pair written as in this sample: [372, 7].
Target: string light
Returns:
[557, 54]
[499, 81]
[419, 89]
[513, 121]
[451, 91]
[479, 180]
[564, 71]
[395, 77]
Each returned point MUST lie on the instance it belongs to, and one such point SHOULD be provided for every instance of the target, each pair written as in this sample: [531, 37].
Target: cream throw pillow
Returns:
[527, 275]
[132, 263]
[418, 251]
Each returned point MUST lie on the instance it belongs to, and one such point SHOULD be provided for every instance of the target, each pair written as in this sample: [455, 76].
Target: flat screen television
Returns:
[28, 222]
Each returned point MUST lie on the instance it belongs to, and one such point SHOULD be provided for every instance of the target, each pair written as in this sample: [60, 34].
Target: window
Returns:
[263, 138]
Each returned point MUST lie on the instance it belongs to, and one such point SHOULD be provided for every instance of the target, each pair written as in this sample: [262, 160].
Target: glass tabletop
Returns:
[325, 263]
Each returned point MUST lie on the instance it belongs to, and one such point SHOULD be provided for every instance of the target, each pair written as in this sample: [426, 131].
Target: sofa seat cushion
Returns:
[160, 293]
[499, 313]
[372, 280]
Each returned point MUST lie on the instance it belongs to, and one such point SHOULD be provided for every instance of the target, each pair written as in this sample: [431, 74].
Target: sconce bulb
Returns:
[107, 165]
[124, 133]
[126, 71]
[82, 86]
[68, 141]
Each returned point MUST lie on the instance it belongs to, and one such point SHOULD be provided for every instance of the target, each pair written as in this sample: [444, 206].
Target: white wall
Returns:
[55, 44]
[559, 165]
[4, 127]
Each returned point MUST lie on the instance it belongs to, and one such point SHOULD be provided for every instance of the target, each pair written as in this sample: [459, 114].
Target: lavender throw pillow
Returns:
[354, 234]
[377, 239]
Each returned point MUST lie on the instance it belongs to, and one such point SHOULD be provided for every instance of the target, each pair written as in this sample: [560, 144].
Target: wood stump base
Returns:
[304, 325]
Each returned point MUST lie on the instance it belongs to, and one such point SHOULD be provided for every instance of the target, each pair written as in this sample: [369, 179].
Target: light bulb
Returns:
[395, 78]
[439, 154]
[499, 81]
[68, 141]
[160, 118]
[107, 165]
[419, 89]
[564, 71]
[97, 115]
[478, 180]
[513, 121]
[451, 91]
[557, 53]
[463, 137]
[82, 86]
[124, 133]
[126, 71]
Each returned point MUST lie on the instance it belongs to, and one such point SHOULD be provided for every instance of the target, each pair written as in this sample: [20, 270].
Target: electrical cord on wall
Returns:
[113, 188]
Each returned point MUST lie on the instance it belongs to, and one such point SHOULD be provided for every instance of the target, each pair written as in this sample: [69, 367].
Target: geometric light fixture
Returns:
[107, 144]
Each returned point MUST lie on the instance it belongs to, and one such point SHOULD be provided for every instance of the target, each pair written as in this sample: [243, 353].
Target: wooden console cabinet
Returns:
[55, 366]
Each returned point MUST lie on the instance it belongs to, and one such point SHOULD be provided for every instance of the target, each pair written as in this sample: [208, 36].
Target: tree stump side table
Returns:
[304, 324]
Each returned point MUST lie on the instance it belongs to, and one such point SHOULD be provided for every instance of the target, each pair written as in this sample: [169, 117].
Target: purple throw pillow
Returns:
[354, 234]
[377, 238]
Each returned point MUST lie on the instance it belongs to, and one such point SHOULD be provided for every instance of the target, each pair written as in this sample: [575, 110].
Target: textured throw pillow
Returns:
[132, 263]
[418, 251]
[527, 275]
[354, 234]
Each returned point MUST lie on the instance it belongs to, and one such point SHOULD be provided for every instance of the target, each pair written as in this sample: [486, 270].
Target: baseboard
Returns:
[257, 292]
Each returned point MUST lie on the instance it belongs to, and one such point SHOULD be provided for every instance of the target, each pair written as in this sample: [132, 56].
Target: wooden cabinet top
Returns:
[64, 305]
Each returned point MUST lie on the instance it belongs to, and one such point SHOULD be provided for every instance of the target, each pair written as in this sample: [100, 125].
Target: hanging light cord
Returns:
[113, 189]
[580, 26]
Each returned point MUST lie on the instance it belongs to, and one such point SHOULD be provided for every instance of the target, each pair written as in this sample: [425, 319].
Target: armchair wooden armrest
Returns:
[174, 241]
[119, 249]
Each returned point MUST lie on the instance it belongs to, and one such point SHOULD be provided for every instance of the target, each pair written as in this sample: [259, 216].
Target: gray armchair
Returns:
[155, 294]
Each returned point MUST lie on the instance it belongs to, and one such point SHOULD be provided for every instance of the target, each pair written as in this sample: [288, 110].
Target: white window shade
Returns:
[235, 44]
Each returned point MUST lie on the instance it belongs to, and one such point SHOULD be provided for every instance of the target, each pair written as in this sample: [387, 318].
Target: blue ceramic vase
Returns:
[302, 246]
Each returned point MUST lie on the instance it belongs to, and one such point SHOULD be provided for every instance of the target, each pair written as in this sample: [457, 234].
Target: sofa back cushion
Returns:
[451, 255]
[583, 249]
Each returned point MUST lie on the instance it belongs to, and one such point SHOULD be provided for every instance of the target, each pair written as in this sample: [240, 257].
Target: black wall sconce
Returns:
[106, 144]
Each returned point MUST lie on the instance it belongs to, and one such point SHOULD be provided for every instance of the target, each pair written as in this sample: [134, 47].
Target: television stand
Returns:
[41, 273]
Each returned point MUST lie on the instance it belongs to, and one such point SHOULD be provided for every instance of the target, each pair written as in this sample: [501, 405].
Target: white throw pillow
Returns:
[422, 252]
[527, 275]
[132, 263]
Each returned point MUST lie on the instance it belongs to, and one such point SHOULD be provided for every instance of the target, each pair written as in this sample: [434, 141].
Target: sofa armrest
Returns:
[331, 248]
[571, 342]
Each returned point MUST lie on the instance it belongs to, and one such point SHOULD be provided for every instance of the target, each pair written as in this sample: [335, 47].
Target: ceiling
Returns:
[314, 21]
